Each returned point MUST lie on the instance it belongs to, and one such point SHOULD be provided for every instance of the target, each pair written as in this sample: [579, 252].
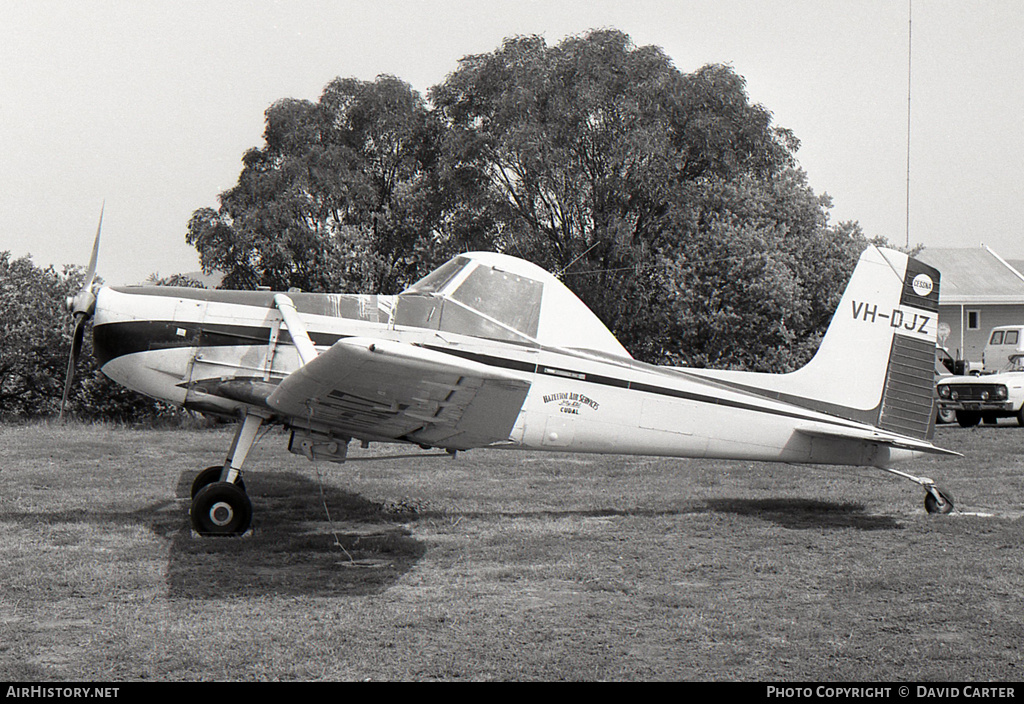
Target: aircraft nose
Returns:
[110, 336]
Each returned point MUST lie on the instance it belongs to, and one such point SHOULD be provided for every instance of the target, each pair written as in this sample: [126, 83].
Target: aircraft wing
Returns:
[384, 390]
[882, 438]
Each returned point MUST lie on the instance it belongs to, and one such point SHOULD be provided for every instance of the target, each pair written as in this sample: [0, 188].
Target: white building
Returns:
[978, 291]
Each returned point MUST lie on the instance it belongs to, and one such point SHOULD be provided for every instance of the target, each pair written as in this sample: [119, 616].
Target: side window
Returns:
[511, 300]
[997, 338]
[974, 320]
[1011, 337]
[418, 311]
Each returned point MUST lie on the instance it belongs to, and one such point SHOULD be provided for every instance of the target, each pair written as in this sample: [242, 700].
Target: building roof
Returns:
[974, 276]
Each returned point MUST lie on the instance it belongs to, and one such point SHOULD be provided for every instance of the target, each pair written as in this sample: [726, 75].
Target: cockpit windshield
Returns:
[470, 298]
[497, 297]
[436, 280]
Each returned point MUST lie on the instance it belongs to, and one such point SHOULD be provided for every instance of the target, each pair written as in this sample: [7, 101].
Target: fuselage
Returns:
[224, 351]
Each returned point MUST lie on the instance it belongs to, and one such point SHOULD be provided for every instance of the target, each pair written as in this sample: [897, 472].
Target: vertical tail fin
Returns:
[876, 362]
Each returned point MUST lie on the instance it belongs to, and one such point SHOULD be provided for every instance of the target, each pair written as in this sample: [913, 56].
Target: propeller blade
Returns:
[81, 306]
[76, 348]
[77, 336]
[90, 275]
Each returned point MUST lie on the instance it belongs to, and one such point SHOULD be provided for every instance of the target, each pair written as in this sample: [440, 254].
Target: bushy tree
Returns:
[754, 277]
[36, 329]
[666, 200]
[36, 336]
[342, 196]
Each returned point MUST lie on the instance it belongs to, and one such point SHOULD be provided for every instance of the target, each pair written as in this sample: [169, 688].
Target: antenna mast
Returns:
[910, 36]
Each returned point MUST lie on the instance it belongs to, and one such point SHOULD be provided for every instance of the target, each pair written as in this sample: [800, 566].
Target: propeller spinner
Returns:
[81, 305]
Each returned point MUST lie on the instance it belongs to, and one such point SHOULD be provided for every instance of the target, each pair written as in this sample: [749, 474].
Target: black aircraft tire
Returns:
[209, 476]
[221, 509]
[931, 504]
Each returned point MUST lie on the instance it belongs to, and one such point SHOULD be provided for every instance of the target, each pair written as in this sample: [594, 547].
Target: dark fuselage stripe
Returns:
[112, 340]
[646, 388]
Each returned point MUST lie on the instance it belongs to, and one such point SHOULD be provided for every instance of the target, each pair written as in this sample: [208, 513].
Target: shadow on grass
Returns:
[292, 548]
[806, 513]
[790, 513]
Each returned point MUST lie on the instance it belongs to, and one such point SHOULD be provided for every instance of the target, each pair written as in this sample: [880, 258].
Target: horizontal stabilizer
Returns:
[879, 437]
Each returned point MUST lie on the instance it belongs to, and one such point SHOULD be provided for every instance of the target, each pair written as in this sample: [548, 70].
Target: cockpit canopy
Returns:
[496, 296]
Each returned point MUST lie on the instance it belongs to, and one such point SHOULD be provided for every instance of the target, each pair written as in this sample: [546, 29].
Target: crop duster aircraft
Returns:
[493, 351]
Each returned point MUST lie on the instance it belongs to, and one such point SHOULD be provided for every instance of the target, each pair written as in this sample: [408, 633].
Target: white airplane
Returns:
[493, 351]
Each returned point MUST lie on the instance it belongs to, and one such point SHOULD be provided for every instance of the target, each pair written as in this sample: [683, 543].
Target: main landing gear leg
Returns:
[936, 499]
[220, 505]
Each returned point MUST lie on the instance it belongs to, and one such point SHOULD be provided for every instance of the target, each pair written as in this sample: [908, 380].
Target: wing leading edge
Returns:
[384, 390]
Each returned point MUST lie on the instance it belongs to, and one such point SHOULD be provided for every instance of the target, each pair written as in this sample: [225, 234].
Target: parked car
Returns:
[988, 397]
[1003, 342]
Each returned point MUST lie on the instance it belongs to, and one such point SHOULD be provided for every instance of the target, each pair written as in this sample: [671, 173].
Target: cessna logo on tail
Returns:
[897, 318]
[922, 285]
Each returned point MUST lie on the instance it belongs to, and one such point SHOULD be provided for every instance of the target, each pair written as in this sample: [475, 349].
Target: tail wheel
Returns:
[221, 509]
[938, 500]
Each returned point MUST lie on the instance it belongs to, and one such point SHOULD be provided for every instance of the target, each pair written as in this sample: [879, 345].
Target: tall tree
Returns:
[668, 201]
[339, 198]
[650, 191]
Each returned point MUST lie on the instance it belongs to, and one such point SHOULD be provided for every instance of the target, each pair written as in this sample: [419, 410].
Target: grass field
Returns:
[504, 566]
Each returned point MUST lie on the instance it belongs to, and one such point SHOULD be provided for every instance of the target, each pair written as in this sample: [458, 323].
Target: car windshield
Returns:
[944, 362]
[1016, 364]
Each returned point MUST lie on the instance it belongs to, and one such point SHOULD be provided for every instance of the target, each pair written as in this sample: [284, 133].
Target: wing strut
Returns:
[296, 328]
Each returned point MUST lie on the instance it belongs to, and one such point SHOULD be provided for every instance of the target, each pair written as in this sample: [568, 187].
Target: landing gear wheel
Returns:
[209, 476]
[933, 504]
[221, 509]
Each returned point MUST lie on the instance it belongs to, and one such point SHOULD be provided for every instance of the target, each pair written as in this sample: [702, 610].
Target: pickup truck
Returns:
[988, 397]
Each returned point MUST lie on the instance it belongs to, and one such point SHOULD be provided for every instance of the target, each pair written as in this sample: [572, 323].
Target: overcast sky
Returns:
[150, 104]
